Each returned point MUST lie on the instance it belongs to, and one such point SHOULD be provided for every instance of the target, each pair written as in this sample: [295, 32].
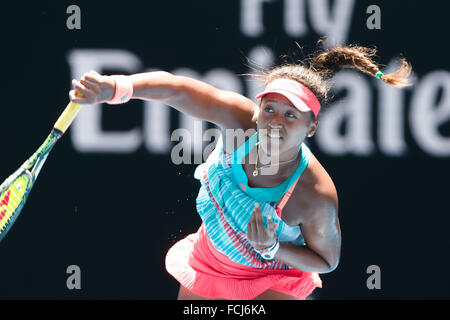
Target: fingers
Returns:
[83, 89]
[93, 87]
[87, 89]
[258, 219]
[257, 234]
[92, 81]
[74, 96]
[251, 224]
[251, 231]
[272, 225]
[90, 84]
[92, 77]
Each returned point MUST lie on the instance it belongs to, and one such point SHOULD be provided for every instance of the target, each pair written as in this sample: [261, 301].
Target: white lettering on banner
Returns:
[252, 17]
[219, 78]
[87, 134]
[354, 113]
[295, 18]
[355, 110]
[332, 21]
[390, 119]
[427, 114]
[156, 127]
[188, 123]
[391, 109]
[261, 57]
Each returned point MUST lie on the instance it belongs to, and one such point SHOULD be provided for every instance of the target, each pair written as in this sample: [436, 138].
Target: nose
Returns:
[273, 125]
[276, 123]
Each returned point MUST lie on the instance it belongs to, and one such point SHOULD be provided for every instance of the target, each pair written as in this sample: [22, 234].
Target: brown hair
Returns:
[314, 71]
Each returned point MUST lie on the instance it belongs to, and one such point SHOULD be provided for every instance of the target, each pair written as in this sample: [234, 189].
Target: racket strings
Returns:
[7, 198]
[5, 213]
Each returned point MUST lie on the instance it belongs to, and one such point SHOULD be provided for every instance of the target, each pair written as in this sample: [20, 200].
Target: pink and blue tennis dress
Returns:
[218, 261]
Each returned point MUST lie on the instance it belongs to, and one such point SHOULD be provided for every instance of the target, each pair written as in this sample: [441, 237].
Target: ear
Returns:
[312, 128]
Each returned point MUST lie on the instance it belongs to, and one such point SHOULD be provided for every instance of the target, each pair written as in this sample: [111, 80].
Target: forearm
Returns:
[185, 94]
[302, 258]
[158, 85]
[193, 97]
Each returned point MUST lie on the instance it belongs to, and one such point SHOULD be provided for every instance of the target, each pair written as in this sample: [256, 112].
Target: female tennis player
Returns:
[253, 243]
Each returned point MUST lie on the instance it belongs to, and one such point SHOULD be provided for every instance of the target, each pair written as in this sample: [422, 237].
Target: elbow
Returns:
[331, 266]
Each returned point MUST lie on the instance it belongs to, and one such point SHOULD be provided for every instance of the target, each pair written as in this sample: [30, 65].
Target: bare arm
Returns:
[323, 238]
[321, 232]
[224, 108]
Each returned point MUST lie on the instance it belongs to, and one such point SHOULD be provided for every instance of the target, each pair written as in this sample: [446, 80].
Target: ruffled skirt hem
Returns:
[197, 266]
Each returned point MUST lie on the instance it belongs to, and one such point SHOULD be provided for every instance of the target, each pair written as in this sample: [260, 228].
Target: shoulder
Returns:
[315, 196]
[234, 136]
[319, 183]
[239, 110]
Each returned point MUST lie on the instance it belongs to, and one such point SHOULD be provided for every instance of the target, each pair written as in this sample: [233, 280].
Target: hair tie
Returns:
[379, 74]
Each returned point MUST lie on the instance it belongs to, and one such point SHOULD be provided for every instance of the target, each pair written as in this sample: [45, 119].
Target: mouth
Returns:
[274, 136]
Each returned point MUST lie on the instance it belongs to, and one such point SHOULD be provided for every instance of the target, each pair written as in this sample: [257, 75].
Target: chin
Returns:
[271, 146]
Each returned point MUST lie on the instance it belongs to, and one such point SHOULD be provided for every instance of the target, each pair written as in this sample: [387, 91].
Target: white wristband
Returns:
[269, 253]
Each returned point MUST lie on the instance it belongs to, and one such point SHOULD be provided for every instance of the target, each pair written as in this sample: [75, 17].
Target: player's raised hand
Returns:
[95, 88]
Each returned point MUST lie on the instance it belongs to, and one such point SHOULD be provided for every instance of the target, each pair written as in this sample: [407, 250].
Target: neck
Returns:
[282, 160]
[266, 157]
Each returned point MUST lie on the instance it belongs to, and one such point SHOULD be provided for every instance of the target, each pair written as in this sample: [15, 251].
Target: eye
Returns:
[290, 115]
[268, 109]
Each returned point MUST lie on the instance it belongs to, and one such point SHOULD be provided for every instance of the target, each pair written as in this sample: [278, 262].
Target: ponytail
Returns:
[314, 71]
[329, 62]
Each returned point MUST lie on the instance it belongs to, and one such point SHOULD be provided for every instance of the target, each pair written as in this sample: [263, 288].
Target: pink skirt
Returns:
[200, 268]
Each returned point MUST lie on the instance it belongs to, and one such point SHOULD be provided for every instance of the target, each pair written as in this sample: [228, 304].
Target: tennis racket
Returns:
[15, 189]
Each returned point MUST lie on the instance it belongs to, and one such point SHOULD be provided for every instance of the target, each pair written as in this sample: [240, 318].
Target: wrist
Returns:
[123, 89]
[269, 253]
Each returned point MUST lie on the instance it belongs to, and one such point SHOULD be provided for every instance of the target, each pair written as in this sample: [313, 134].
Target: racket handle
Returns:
[66, 118]
[69, 114]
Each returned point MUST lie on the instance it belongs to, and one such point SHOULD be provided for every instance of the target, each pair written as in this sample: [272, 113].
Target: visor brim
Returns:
[296, 101]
